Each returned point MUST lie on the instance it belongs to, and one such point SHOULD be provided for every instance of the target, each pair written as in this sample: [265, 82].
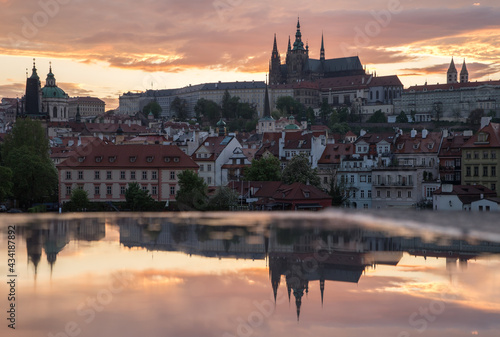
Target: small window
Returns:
[172, 175]
[167, 159]
[149, 159]
[97, 190]
[122, 175]
[108, 175]
[112, 159]
[68, 175]
[97, 175]
[132, 159]
[122, 190]
[132, 175]
[68, 190]
[80, 175]
[154, 175]
[98, 159]
[144, 175]
[109, 190]
[176, 159]
[172, 190]
[154, 190]
[81, 159]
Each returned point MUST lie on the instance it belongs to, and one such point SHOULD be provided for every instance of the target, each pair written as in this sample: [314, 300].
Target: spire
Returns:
[275, 54]
[298, 44]
[51, 80]
[34, 74]
[452, 73]
[322, 51]
[464, 74]
[322, 288]
[289, 44]
[267, 109]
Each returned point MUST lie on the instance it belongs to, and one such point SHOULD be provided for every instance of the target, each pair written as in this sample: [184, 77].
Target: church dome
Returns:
[53, 92]
[291, 127]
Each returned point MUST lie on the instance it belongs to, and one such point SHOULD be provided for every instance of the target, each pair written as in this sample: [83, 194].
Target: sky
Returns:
[104, 48]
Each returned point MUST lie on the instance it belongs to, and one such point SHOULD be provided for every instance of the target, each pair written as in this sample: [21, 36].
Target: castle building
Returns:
[299, 67]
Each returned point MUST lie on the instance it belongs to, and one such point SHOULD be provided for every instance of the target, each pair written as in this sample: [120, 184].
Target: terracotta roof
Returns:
[493, 139]
[456, 86]
[452, 146]
[334, 153]
[382, 81]
[98, 154]
[214, 145]
[468, 193]
[87, 99]
[296, 191]
[405, 144]
[296, 140]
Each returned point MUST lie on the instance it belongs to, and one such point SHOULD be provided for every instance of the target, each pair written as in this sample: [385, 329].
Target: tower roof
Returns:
[298, 44]
[452, 68]
[34, 73]
[464, 70]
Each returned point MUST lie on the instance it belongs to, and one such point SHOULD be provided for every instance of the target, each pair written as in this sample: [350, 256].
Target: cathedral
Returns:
[299, 67]
[452, 74]
[49, 102]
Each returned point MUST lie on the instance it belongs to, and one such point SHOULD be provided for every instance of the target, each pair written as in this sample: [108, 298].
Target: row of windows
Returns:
[389, 195]
[492, 171]
[364, 178]
[109, 175]
[123, 188]
[486, 155]
[202, 167]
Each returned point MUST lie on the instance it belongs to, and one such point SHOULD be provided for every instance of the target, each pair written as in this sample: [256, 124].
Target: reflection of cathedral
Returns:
[299, 67]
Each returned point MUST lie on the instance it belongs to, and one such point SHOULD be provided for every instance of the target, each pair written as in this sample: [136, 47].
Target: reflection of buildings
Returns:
[53, 236]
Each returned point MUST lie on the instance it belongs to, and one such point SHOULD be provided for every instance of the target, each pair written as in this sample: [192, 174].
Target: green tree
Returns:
[5, 182]
[79, 199]
[138, 199]
[208, 110]
[299, 170]
[153, 107]
[264, 169]
[377, 117]
[343, 115]
[338, 193]
[26, 153]
[402, 118]
[180, 108]
[223, 199]
[246, 110]
[475, 116]
[438, 110]
[230, 105]
[192, 194]
[288, 105]
[325, 111]
[340, 127]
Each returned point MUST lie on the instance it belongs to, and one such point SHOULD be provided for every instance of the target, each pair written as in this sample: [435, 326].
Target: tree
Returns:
[288, 105]
[208, 110]
[26, 153]
[5, 182]
[223, 199]
[153, 107]
[343, 115]
[338, 193]
[402, 118]
[138, 199]
[475, 116]
[325, 111]
[438, 110]
[299, 170]
[79, 199]
[377, 117]
[192, 194]
[340, 127]
[180, 108]
[230, 105]
[264, 169]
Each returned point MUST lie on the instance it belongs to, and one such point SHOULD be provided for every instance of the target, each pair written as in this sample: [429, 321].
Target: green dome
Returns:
[221, 123]
[291, 127]
[53, 92]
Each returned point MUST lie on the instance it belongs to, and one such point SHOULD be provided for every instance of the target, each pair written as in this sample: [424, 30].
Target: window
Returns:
[132, 175]
[68, 175]
[202, 167]
[154, 175]
[369, 178]
[144, 175]
[362, 193]
[485, 171]
[172, 190]
[97, 175]
[209, 167]
[388, 194]
[108, 175]
[122, 189]
[352, 178]
[154, 190]
[365, 206]
[493, 171]
[109, 190]
[485, 154]
[467, 171]
[172, 175]
[68, 190]
[209, 180]
[409, 194]
[362, 178]
[378, 194]
[493, 155]
[97, 190]
[476, 171]
[399, 194]
[122, 175]
[476, 154]
[80, 175]
[493, 187]
[369, 194]
[429, 191]
[468, 155]
[325, 180]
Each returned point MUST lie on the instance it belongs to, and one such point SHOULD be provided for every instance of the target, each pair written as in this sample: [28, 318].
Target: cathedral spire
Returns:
[451, 76]
[275, 53]
[464, 74]
[289, 44]
[322, 289]
[322, 51]
[267, 113]
[34, 73]
[298, 44]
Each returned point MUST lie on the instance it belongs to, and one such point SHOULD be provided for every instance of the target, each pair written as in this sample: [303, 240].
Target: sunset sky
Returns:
[104, 48]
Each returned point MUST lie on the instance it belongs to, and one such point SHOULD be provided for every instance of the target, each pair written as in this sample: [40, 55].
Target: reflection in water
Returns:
[297, 258]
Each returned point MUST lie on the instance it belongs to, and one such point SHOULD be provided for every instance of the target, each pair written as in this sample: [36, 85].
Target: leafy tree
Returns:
[340, 127]
[338, 193]
[492, 114]
[230, 105]
[26, 153]
[475, 116]
[288, 105]
[5, 182]
[299, 170]
[264, 169]
[310, 116]
[402, 118]
[138, 199]
[79, 198]
[180, 108]
[223, 199]
[192, 194]
[153, 107]
[34, 177]
[456, 114]
[246, 110]
[325, 111]
[343, 114]
[413, 115]
[207, 109]
[377, 117]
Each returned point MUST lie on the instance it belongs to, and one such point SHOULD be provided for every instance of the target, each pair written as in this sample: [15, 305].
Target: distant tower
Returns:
[221, 127]
[452, 74]
[275, 65]
[322, 51]
[298, 59]
[33, 96]
[464, 74]
[55, 100]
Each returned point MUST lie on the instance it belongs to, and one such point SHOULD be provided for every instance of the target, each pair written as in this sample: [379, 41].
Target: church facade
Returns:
[299, 67]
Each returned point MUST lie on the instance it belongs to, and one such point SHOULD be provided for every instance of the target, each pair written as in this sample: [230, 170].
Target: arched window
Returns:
[54, 112]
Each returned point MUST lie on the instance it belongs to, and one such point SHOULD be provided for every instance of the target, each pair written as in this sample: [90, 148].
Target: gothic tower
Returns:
[33, 96]
[452, 74]
[464, 74]
[298, 59]
[275, 65]
[322, 51]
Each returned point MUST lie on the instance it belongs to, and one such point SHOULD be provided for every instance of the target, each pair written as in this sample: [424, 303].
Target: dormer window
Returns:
[132, 159]
[306, 194]
[176, 159]
[482, 137]
[81, 159]
[400, 146]
[430, 146]
[416, 146]
[112, 159]
[149, 159]
[98, 159]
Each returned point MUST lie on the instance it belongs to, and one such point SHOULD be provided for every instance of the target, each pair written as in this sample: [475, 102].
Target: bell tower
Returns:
[275, 65]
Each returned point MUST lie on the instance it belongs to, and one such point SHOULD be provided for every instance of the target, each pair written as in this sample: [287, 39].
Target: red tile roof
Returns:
[98, 154]
[456, 86]
[493, 140]
[405, 144]
[214, 145]
[333, 153]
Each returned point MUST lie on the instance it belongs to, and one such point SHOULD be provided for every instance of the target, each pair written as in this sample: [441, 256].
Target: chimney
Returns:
[362, 133]
[424, 133]
[468, 133]
[481, 196]
[413, 133]
[447, 188]
[445, 133]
